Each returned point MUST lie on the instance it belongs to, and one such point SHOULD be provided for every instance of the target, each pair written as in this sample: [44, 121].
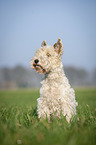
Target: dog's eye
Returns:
[48, 54]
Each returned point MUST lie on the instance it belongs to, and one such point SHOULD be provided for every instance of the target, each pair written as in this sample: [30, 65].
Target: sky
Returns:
[24, 24]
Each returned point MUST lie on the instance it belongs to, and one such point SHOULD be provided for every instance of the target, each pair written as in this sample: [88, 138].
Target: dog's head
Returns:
[47, 58]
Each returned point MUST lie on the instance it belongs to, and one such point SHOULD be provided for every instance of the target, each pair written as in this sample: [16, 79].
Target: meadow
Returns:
[19, 123]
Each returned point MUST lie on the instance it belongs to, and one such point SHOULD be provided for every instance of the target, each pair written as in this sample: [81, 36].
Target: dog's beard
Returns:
[39, 68]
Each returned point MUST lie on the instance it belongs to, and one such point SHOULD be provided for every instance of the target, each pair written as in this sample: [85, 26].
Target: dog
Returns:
[56, 94]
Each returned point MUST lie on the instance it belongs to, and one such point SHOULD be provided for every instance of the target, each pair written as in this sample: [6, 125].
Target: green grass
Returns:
[19, 123]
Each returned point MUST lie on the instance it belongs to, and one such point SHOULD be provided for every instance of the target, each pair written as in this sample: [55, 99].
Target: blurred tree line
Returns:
[21, 77]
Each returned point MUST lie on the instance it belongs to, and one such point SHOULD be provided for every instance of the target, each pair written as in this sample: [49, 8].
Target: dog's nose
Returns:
[36, 61]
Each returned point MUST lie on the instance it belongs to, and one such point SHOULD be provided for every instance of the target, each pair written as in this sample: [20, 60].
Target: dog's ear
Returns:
[44, 43]
[58, 47]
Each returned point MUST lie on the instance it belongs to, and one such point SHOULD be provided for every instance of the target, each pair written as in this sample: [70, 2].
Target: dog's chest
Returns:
[51, 88]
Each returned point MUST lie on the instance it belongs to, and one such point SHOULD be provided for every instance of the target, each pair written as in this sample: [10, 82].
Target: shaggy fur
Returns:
[56, 94]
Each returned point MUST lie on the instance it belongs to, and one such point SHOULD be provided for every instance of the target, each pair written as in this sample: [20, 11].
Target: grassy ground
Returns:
[19, 123]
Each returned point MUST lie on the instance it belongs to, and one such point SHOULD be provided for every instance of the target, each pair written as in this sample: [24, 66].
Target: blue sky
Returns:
[24, 24]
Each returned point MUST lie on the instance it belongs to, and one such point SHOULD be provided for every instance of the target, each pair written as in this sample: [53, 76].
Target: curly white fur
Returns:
[56, 94]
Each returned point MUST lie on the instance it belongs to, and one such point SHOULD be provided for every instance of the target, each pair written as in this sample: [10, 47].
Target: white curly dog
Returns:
[56, 94]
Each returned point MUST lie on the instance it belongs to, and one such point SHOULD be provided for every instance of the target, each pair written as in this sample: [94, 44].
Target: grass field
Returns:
[19, 123]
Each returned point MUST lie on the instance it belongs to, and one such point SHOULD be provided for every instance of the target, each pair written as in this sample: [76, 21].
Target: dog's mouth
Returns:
[39, 68]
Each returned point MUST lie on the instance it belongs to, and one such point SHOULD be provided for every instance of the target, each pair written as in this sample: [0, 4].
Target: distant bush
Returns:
[20, 77]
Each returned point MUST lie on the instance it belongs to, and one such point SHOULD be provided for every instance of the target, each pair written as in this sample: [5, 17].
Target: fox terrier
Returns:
[56, 94]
